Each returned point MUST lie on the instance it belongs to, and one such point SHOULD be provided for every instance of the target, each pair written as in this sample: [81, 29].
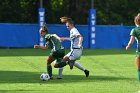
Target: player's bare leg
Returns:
[63, 63]
[138, 66]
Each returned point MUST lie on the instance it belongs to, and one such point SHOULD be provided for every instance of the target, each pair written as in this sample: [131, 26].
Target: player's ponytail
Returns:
[137, 19]
[64, 19]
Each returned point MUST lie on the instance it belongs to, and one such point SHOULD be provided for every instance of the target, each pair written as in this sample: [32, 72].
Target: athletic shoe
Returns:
[71, 64]
[51, 78]
[86, 73]
[59, 77]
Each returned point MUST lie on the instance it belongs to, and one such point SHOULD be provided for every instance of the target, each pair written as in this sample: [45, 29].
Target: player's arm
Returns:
[64, 38]
[56, 36]
[131, 41]
[80, 40]
[42, 47]
[61, 39]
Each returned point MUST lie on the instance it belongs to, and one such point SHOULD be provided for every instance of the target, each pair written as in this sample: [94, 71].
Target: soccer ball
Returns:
[44, 77]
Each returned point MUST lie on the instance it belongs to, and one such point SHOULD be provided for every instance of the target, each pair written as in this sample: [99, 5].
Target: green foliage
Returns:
[109, 12]
[18, 11]
[116, 11]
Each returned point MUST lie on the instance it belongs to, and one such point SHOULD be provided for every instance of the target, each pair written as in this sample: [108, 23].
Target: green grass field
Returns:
[111, 71]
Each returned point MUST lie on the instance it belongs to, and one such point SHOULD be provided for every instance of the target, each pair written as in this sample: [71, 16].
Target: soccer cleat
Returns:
[71, 64]
[51, 78]
[59, 78]
[86, 73]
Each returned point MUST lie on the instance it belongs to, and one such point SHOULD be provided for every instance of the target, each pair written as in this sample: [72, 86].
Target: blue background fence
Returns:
[26, 35]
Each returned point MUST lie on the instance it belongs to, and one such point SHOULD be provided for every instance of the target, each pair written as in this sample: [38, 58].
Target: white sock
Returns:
[76, 64]
[66, 62]
[60, 70]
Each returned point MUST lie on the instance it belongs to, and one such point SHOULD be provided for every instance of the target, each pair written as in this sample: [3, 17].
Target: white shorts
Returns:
[74, 54]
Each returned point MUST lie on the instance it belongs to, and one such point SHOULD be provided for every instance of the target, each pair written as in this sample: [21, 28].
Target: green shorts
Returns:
[58, 60]
[58, 54]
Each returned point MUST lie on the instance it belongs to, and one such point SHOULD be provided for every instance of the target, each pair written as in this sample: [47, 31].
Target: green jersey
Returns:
[58, 51]
[136, 32]
[56, 44]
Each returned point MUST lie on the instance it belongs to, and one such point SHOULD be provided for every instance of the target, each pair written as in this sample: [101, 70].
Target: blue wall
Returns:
[62, 31]
[26, 35]
[18, 35]
[108, 37]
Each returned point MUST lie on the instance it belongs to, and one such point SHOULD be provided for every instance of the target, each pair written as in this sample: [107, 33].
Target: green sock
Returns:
[139, 74]
[49, 70]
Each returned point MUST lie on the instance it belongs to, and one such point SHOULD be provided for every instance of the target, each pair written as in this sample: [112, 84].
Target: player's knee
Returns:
[65, 58]
[56, 66]
[138, 62]
[49, 60]
[137, 59]
[48, 63]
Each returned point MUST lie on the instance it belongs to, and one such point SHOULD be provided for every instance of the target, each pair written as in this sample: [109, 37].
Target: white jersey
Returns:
[74, 39]
[75, 52]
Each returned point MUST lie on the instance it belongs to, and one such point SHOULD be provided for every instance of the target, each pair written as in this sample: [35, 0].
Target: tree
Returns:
[109, 12]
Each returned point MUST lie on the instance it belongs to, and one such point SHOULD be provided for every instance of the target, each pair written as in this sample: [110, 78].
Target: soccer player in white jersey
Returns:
[76, 48]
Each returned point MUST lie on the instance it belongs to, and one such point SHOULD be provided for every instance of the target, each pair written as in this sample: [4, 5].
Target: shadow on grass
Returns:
[93, 52]
[40, 52]
[19, 91]
[33, 77]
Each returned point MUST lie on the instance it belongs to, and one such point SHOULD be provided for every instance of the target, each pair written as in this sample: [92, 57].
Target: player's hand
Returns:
[36, 46]
[79, 45]
[44, 48]
[61, 39]
[127, 47]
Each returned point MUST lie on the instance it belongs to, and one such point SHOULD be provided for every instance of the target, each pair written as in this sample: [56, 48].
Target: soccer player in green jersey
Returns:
[57, 52]
[135, 34]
